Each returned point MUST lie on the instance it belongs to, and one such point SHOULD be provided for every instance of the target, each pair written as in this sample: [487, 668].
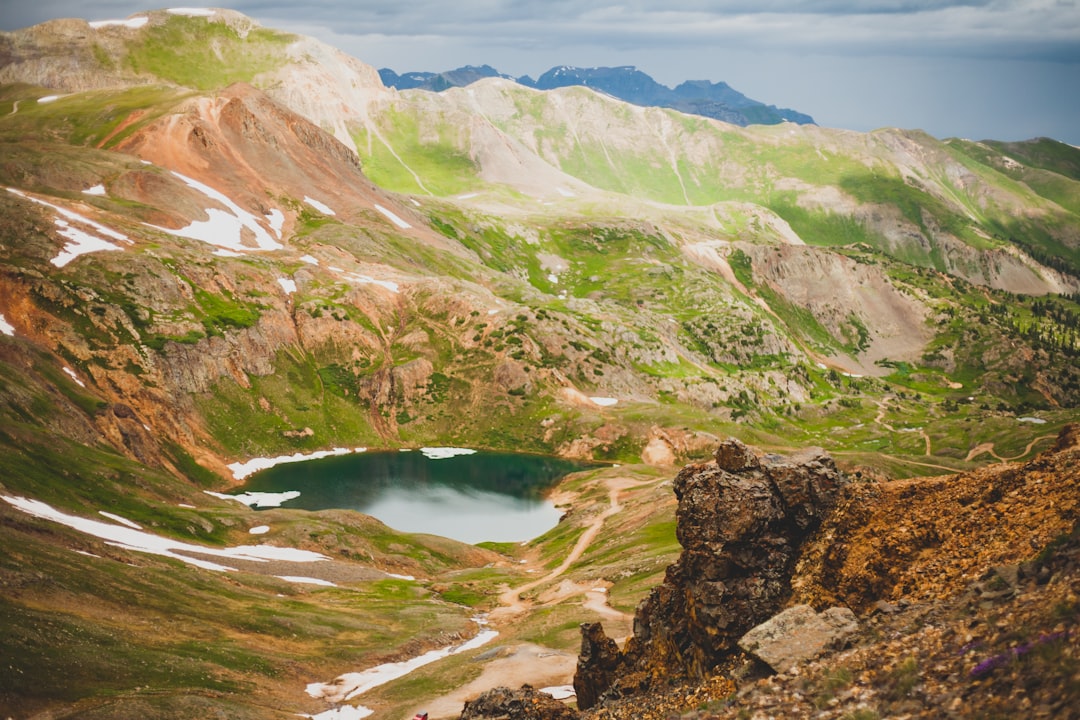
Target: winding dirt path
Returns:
[510, 599]
[523, 662]
[989, 449]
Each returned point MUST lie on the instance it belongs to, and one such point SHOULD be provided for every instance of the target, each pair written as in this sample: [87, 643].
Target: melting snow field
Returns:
[134, 23]
[71, 373]
[129, 538]
[442, 453]
[96, 190]
[560, 692]
[368, 280]
[350, 685]
[288, 285]
[224, 228]
[321, 207]
[604, 401]
[259, 530]
[393, 218]
[121, 520]
[191, 12]
[82, 241]
[6, 327]
[305, 580]
[259, 499]
[241, 470]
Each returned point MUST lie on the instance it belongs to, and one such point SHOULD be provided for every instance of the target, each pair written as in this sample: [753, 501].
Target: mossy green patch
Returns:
[205, 54]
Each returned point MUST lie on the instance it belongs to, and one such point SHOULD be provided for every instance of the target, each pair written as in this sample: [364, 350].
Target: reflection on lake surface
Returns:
[472, 498]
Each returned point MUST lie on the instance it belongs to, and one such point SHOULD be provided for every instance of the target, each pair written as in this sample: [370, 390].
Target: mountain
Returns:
[437, 82]
[698, 97]
[220, 242]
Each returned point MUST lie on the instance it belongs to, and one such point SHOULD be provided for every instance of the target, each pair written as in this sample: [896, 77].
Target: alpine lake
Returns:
[471, 496]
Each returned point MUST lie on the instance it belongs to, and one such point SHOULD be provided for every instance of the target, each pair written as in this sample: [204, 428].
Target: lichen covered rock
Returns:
[741, 523]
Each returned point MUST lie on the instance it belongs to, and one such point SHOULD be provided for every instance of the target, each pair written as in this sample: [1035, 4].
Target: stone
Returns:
[525, 703]
[741, 523]
[798, 634]
[597, 665]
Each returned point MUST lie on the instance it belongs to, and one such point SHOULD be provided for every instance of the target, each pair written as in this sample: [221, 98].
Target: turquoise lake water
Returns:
[490, 496]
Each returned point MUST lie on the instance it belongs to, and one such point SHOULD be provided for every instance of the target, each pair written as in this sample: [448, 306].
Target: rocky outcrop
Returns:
[797, 634]
[524, 703]
[741, 523]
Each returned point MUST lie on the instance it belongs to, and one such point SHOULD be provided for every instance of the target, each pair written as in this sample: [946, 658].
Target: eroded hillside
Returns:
[205, 261]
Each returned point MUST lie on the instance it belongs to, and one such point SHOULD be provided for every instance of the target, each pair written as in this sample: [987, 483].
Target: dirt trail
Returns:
[879, 419]
[989, 449]
[510, 599]
[519, 663]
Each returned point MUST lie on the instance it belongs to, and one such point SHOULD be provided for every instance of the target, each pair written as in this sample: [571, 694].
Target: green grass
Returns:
[442, 166]
[86, 119]
[204, 54]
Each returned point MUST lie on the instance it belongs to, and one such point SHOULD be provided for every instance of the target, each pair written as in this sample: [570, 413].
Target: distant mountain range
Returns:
[626, 82]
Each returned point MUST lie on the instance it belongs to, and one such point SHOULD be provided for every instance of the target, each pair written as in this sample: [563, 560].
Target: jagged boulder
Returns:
[741, 523]
[525, 703]
[797, 634]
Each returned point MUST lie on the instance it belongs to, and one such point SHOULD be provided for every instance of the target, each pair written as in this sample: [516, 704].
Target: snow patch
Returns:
[276, 219]
[288, 285]
[350, 685]
[564, 192]
[71, 374]
[259, 530]
[309, 259]
[442, 453]
[553, 278]
[48, 99]
[1032, 420]
[305, 580]
[415, 202]
[96, 190]
[134, 23]
[192, 12]
[242, 469]
[604, 401]
[259, 499]
[467, 196]
[321, 207]
[368, 280]
[393, 218]
[81, 243]
[141, 541]
[560, 692]
[186, 505]
[222, 252]
[344, 712]
[410, 578]
[121, 520]
[6, 327]
[223, 228]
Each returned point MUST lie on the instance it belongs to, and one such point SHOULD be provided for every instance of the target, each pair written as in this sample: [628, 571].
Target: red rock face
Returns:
[741, 523]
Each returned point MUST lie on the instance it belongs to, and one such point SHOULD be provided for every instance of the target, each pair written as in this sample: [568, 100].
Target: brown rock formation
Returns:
[524, 703]
[741, 522]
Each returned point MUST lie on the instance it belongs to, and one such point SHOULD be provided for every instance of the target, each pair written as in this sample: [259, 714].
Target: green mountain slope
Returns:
[278, 255]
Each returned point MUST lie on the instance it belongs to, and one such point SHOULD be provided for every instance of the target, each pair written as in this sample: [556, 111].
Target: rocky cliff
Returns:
[741, 523]
[965, 590]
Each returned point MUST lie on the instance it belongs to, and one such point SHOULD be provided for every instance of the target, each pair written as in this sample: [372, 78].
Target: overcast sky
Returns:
[1002, 69]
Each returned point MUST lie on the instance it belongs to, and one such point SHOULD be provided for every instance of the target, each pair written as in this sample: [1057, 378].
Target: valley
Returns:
[221, 243]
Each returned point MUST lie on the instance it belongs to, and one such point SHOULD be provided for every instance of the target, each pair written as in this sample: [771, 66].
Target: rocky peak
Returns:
[742, 520]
